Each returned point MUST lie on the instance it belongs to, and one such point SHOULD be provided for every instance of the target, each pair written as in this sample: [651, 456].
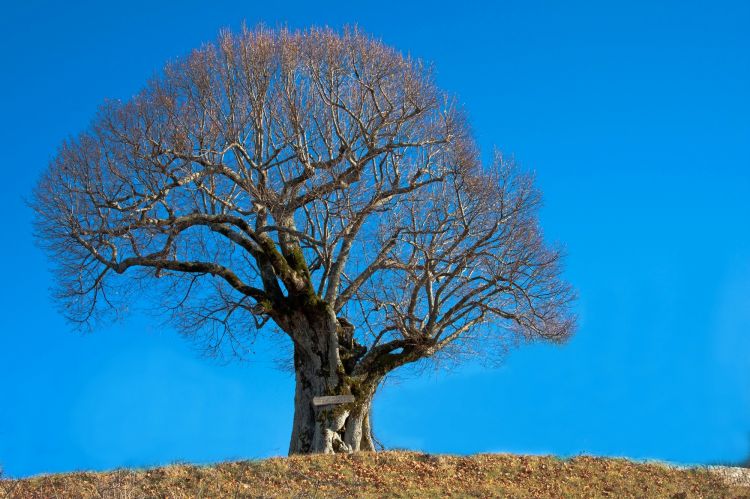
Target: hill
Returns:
[399, 474]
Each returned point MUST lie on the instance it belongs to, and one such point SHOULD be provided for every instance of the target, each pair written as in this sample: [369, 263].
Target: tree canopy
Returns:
[273, 173]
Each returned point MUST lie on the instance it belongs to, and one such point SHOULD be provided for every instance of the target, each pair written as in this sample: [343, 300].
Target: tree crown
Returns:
[274, 171]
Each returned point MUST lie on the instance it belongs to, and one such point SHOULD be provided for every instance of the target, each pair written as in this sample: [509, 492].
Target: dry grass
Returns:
[391, 474]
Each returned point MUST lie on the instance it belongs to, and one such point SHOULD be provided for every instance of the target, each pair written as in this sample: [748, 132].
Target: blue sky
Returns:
[635, 117]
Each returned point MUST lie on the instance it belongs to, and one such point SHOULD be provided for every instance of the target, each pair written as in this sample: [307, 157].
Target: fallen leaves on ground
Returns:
[389, 474]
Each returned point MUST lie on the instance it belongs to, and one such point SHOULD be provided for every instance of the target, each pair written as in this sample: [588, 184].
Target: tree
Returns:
[311, 184]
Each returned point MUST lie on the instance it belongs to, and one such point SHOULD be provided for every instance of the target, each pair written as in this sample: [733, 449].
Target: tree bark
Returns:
[328, 429]
[325, 353]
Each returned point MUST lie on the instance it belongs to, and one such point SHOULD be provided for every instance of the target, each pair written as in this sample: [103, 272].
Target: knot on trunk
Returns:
[338, 445]
[350, 350]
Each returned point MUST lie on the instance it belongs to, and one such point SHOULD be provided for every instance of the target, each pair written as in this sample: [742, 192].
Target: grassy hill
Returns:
[399, 474]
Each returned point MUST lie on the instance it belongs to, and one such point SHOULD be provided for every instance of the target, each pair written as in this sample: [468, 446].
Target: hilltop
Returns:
[398, 474]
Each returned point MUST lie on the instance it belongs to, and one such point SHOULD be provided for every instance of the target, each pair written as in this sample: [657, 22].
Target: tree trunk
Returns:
[328, 429]
[321, 359]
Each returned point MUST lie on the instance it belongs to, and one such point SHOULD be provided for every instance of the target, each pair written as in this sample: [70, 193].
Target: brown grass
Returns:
[391, 474]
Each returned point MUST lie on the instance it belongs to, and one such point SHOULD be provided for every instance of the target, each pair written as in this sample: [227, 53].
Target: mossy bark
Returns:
[325, 354]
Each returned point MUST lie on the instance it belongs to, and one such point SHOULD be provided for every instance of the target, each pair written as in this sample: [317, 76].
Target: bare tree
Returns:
[317, 182]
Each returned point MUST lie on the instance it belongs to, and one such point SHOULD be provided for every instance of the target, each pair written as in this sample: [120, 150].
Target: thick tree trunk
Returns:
[323, 367]
[328, 429]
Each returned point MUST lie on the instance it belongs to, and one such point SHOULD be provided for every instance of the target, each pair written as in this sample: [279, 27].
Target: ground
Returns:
[395, 474]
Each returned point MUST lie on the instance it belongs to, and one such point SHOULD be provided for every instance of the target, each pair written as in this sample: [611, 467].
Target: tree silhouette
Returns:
[313, 184]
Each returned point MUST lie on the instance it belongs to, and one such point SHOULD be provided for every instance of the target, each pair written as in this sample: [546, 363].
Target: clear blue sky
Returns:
[635, 118]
